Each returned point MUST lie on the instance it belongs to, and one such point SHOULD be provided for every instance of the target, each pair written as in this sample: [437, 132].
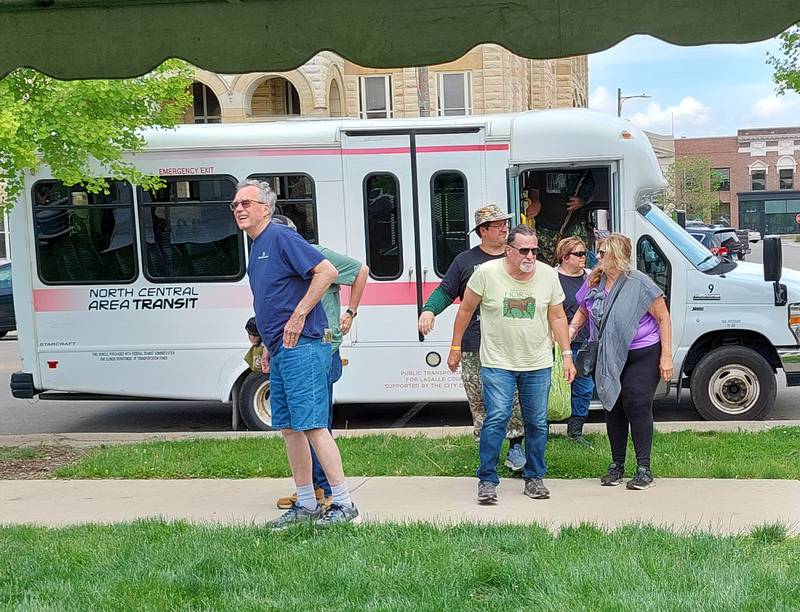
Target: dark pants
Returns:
[318, 474]
[634, 406]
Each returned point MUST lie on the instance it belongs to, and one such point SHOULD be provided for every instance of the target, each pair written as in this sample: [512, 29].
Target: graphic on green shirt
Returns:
[515, 307]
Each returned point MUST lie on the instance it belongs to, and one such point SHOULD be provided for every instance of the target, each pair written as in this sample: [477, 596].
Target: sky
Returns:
[710, 90]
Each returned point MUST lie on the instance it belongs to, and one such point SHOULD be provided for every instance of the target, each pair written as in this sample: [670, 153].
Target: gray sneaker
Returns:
[294, 516]
[487, 492]
[535, 489]
[643, 479]
[337, 515]
[515, 460]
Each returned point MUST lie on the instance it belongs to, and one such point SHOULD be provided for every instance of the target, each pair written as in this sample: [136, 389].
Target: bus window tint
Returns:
[295, 200]
[188, 232]
[449, 215]
[382, 215]
[84, 237]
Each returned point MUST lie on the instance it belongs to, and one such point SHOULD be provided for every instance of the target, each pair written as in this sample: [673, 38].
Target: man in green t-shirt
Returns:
[353, 274]
[521, 307]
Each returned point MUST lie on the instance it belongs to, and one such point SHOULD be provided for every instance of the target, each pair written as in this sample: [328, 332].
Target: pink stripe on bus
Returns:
[70, 299]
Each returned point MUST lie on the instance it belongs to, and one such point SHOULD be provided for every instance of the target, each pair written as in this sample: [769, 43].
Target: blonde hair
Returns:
[566, 246]
[617, 250]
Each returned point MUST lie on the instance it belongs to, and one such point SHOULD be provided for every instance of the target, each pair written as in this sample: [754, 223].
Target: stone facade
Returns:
[327, 85]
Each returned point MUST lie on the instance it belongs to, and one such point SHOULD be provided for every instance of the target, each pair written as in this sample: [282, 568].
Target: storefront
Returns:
[770, 212]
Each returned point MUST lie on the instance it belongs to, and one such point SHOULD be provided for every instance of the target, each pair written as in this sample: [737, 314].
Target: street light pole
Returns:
[621, 99]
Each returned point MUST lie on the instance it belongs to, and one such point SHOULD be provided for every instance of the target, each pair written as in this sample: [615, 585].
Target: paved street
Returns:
[37, 416]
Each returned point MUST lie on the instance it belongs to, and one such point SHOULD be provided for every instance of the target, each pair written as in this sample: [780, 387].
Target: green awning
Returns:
[121, 38]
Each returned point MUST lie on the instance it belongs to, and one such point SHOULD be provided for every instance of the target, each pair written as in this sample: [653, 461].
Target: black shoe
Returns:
[575, 431]
[614, 475]
[487, 492]
[643, 479]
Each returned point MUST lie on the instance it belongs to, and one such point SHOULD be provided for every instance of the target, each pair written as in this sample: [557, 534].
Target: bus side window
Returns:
[651, 261]
[296, 200]
[84, 237]
[188, 231]
[383, 232]
[449, 217]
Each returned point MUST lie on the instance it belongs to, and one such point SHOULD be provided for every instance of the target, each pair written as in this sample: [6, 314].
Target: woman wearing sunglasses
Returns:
[635, 350]
[571, 258]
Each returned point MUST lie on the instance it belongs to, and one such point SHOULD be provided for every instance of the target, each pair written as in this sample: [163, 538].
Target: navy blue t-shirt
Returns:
[280, 268]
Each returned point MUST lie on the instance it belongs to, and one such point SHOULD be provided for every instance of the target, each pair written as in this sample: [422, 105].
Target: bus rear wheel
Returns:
[254, 405]
[733, 383]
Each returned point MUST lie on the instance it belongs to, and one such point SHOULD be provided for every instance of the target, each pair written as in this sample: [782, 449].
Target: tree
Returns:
[68, 124]
[787, 64]
[693, 187]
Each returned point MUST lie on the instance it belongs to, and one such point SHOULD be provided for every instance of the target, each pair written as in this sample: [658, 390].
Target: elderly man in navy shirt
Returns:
[288, 278]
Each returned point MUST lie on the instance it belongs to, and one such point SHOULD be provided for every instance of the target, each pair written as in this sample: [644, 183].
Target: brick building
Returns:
[759, 187]
[487, 79]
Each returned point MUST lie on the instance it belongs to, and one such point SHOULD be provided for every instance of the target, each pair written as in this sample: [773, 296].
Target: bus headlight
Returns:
[794, 320]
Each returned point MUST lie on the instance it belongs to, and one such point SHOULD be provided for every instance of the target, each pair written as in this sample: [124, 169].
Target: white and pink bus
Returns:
[143, 293]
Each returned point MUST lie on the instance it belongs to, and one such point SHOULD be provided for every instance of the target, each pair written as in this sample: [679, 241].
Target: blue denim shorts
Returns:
[298, 381]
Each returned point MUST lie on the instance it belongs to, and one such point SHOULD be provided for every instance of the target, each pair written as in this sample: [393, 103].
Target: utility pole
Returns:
[423, 92]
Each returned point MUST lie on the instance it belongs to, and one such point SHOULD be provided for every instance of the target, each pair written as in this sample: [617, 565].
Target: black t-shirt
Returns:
[455, 282]
[571, 285]
[555, 188]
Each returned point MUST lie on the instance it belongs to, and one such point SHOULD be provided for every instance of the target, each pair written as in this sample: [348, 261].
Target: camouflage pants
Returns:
[547, 240]
[471, 377]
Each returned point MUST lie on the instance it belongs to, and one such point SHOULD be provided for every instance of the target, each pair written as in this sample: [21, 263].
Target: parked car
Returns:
[719, 241]
[7, 321]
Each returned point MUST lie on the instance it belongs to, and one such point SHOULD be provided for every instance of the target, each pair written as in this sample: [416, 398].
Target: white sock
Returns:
[341, 496]
[306, 498]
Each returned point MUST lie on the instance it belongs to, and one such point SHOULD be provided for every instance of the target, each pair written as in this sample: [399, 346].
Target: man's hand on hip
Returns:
[293, 329]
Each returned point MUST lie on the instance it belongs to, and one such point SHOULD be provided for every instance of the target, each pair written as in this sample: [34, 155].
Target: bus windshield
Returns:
[700, 257]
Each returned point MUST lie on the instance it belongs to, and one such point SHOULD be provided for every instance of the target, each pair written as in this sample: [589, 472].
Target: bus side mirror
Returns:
[679, 216]
[773, 259]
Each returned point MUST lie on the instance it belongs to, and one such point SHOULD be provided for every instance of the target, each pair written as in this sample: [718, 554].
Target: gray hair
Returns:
[520, 230]
[265, 193]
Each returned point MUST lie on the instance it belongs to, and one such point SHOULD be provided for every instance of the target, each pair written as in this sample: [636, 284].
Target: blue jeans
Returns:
[318, 474]
[582, 389]
[498, 398]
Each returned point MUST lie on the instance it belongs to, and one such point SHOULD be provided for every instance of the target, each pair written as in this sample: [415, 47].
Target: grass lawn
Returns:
[767, 454]
[175, 566]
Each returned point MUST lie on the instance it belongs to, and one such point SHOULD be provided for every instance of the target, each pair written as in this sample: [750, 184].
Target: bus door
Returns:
[451, 186]
[409, 194]
[380, 224]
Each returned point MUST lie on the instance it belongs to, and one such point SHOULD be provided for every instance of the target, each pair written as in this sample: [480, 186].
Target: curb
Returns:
[88, 440]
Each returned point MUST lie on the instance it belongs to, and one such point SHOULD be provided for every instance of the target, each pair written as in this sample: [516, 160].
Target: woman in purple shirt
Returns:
[635, 350]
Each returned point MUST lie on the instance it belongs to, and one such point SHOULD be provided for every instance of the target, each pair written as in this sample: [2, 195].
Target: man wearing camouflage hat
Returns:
[491, 226]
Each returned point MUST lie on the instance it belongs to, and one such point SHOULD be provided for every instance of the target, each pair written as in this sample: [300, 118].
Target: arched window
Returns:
[205, 108]
[275, 97]
[334, 100]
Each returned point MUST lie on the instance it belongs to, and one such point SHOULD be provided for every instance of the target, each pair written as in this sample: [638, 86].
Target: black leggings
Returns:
[639, 380]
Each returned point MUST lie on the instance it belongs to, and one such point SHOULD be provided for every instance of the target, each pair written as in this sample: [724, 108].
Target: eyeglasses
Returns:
[578, 253]
[243, 203]
[525, 251]
[600, 254]
[497, 224]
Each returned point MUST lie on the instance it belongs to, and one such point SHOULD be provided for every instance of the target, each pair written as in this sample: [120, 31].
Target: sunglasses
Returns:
[525, 251]
[245, 204]
[578, 253]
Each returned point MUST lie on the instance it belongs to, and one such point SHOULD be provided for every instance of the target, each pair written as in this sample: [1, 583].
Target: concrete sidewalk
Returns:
[719, 506]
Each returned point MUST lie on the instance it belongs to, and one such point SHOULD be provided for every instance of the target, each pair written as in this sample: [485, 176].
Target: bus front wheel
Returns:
[254, 405]
[733, 383]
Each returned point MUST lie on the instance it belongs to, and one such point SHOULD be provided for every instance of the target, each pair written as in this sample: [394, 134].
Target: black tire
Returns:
[733, 383]
[253, 402]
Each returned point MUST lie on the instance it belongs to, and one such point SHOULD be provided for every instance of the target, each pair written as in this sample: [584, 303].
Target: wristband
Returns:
[455, 348]
[352, 313]
[566, 353]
